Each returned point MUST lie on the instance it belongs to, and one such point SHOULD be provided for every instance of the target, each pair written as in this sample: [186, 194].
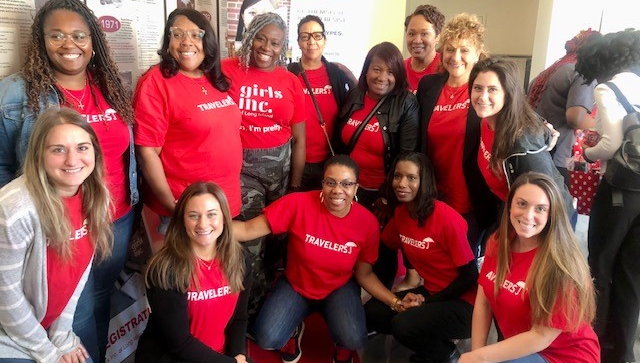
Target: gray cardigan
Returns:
[23, 284]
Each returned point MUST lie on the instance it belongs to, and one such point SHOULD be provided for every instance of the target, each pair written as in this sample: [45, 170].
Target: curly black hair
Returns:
[38, 73]
[613, 53]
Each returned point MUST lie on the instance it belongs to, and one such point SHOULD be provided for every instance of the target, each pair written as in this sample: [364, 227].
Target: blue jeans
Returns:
[91, 320]
[531, 358]
[285, 309]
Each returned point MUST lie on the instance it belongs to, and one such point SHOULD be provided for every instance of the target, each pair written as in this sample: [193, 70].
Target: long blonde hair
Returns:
[96, 201]
[174, 266]
[559, 271]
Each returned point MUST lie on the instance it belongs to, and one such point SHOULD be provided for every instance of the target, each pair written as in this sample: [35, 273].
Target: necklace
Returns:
[205, 264]
[453, 91]
[78, 101]
[204, 90]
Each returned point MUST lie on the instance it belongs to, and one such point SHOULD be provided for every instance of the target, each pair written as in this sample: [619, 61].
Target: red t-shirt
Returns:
[113, 136]
[317, 146]
[63, 276]
[212, 306]
[323, 249]
[270, 103]
[497, 184]
[198, 134]
[414, 77]
[435, 250]
[368, 152]
[445, 135]
[512, 310]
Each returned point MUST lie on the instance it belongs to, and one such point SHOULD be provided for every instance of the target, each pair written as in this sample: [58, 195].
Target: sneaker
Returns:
[291, 352]
[342, 355]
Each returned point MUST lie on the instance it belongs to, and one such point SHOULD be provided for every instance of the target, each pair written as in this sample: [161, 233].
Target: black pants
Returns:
[386, 266]
[312, 176]
[427, 329]
[614, 258]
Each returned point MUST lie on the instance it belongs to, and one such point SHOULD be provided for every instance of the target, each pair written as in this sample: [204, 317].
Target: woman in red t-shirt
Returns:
[196, 285]
[187, 125]
[536, 283]
[422, 30]
[433, 236]
[53, 218]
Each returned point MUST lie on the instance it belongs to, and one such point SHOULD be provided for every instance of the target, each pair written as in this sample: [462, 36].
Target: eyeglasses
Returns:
[317, 36]
[78, 37]
[345, 184]
[195, 35]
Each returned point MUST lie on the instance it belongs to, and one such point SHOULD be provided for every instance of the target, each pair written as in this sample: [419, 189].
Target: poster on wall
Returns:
[134, 30]
[208, 8]
[15, 29]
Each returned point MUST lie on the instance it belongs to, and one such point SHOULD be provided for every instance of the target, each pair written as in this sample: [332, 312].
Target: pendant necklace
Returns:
[205, 264]
[454, 91]
[204, 90]
[80, 100]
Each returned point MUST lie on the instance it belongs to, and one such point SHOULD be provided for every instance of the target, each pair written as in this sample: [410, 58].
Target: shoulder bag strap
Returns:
[356, 135]
[315, 104]
[621, 98]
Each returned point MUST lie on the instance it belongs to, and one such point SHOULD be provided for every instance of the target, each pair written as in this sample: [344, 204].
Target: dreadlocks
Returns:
[38, 74]
[259, 22]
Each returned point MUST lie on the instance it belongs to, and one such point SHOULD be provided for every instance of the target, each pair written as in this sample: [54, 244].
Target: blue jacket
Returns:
[16, 123]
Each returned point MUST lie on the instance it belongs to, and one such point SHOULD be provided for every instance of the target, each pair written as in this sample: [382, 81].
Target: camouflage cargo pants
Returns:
[263, 179]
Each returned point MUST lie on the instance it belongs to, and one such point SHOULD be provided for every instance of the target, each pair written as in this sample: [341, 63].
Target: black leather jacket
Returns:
[398, 118]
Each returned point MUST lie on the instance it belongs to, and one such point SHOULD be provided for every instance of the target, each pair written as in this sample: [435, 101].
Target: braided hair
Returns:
[259, 22]
[103, 71]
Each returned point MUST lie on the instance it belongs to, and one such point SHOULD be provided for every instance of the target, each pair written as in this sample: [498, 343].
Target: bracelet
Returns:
[394, 304]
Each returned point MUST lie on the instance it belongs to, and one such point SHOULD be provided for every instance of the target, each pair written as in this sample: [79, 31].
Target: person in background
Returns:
[53, 219]
[329, 83]
[196, 285]
[535, 283]
[377, 122]
[614, 223]
[329, 261]
[180, 139]
[68, 63]
[562, 97]
[272, 132]
[422, 30]
[434, 238]
[513, 139]
[450, 128]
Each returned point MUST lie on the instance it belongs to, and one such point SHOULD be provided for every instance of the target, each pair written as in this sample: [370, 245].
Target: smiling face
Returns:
[487, 96]
[69, 158]
[204, 223]
[380, 79]
[459, 59]
[529, 213]
[338, 198]
[311, 49]
[267, 47]
[406, 181]
[188, 52]
[421, 38]
[69, 58]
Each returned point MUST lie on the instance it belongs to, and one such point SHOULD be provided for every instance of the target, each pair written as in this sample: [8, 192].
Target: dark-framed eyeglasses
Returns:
[345, 184]
[317, 36]
[78, 37]
[195, 35]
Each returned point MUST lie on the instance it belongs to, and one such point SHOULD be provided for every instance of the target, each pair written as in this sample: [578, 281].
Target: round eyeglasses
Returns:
[78, 37]
[195, 35]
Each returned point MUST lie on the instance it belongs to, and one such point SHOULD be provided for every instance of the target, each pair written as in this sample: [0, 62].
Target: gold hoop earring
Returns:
[321, 197]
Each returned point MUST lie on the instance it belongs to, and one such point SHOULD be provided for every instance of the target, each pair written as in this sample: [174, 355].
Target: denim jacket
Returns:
[16, 123]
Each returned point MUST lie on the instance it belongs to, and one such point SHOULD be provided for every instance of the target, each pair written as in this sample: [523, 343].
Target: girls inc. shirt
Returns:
[323, 249]
[63, 276]
[211, 306]
[368, 151]
[316, 142]
[445, 142]
[270, 102]
[512, 310]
